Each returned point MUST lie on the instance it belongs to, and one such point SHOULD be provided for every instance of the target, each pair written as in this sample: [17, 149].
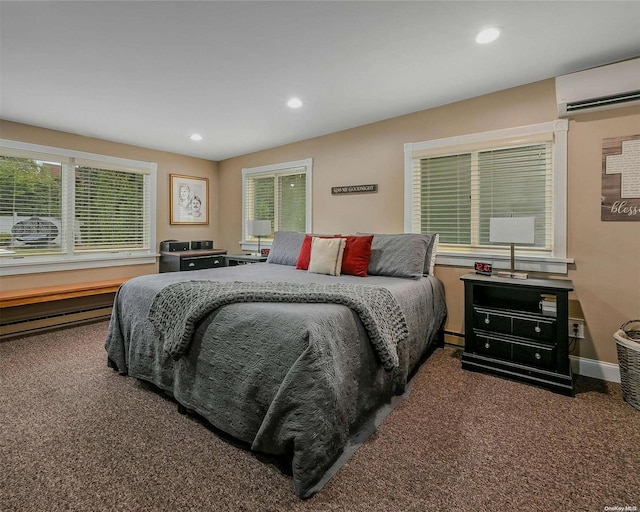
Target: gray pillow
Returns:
[430, 260]
[399, 255]
[285, 247]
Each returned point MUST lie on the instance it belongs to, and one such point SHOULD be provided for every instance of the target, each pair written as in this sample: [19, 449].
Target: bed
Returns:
[302, 380]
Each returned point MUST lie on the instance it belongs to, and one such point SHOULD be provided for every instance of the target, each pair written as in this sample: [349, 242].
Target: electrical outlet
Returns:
[576, 328]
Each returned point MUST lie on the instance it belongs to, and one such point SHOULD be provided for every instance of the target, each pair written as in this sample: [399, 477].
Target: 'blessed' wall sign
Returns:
[621, 178]
[354, 189]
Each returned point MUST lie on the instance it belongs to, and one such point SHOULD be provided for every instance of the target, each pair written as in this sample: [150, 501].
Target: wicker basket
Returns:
[628, 345]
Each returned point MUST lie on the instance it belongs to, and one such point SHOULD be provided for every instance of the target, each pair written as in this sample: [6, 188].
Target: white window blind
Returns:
[111, 209]
[455, 186]
[31, 204]
[517, 182]
[456, 195]
[62, 206]
[279, 193]
[442, 196]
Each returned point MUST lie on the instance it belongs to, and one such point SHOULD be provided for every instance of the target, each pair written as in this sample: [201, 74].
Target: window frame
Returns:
[248, 244]
[70, 260]
[557, 261]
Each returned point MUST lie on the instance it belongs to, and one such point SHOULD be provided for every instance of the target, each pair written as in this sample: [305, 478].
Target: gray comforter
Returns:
[177, 308]
[296, 380]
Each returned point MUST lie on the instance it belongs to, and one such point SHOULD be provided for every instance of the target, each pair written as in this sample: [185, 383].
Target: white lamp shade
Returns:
[259, 227]
[515, 230]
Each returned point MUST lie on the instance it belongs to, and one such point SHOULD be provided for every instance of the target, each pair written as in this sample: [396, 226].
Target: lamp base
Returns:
[513, 275]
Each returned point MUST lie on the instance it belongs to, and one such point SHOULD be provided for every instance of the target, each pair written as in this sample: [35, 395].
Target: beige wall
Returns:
[168, 163]
[606, 274]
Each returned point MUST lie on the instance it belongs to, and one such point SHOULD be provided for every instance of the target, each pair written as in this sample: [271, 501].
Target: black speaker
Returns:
[173, 246]
[202, 244]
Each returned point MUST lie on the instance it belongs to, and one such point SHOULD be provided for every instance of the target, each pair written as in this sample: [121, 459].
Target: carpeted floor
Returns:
[76, 436]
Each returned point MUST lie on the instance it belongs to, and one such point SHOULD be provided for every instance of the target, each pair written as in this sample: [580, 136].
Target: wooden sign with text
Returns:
[621, 178]
[355, 189]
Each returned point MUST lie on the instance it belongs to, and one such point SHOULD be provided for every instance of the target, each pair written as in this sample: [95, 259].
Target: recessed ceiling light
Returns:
[294, 103]
[196, 136]
[488, 35]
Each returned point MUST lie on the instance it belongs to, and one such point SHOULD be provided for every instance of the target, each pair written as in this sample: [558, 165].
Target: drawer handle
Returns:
[216, 261]
[486, 345]
[192, 264]
[486, 320]
[537, 329]
[538, 356]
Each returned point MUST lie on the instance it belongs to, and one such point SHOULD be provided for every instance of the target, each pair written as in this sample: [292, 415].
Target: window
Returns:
[454, 186]
[280, 193]
[67, 209]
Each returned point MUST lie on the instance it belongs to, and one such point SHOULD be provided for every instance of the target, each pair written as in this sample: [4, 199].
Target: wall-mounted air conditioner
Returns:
[605, 87]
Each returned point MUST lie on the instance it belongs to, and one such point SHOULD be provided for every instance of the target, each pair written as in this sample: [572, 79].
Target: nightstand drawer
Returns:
[178, 261]
[200, 262]
[535, 329]
[492, 347]
[542, 356]
[490, 321]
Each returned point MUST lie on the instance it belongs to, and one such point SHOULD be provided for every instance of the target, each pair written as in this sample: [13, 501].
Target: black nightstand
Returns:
[233, 260]
[508, 333]
[175, 261]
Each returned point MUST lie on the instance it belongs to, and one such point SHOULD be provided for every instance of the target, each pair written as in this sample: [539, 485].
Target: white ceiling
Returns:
[151, 73]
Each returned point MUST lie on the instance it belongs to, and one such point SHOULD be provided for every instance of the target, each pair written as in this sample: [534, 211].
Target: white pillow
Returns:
[326, 255]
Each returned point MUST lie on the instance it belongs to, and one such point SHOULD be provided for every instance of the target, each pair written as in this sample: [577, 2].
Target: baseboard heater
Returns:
[38, 318]
[454, 339]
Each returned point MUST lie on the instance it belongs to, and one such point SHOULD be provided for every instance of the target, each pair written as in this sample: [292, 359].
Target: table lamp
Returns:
[512, 230]
[259, 228]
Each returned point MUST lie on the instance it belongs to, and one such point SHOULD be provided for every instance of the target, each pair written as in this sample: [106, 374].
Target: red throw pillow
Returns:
[357, 252]
[304, 256]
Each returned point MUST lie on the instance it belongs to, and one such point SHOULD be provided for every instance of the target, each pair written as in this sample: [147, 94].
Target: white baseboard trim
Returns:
[595, 369]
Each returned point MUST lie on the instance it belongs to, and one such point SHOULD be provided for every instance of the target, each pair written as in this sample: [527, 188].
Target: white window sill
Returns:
[528, 263]
[11, 266]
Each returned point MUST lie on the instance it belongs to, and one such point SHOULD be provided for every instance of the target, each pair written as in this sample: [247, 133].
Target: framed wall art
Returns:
[189, 199]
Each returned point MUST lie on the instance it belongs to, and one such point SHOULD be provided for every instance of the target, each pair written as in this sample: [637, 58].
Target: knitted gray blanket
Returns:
[177, 309]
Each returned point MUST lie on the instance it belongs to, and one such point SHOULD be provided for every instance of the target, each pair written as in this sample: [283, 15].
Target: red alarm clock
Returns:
[483, 268]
